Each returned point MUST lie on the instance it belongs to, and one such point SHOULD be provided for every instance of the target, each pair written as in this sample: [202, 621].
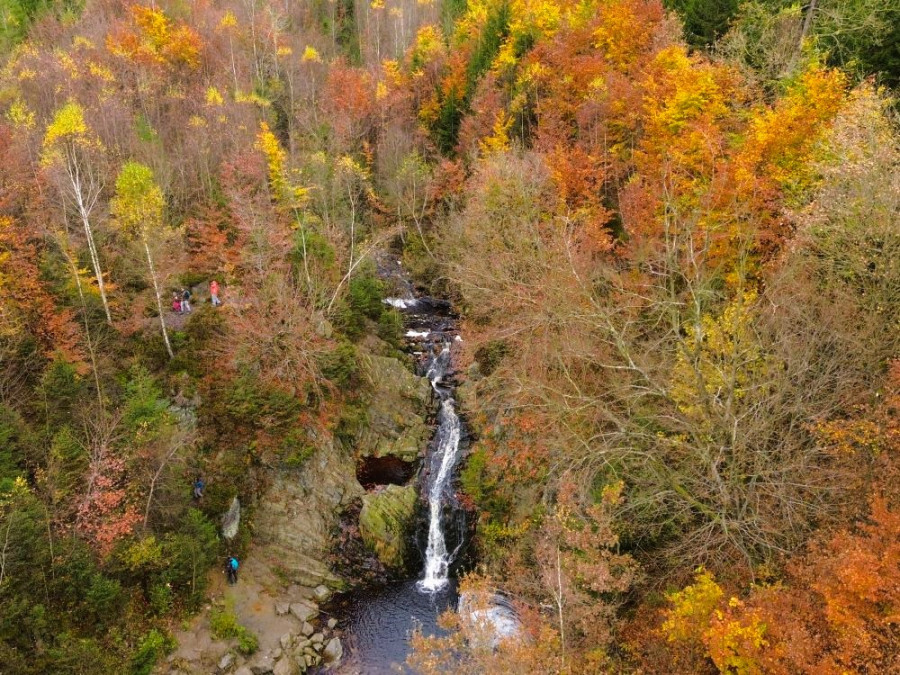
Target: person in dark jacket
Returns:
[232, 570]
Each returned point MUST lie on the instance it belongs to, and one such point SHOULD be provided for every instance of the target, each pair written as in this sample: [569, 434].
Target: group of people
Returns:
[181, 300]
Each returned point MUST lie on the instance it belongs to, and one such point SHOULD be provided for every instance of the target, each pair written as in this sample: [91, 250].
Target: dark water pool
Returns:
[379, 621]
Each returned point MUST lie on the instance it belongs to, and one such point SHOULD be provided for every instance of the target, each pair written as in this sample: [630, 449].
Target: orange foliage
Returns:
[151, 38]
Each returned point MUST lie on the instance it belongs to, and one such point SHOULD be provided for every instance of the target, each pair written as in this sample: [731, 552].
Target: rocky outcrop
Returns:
[397, 411]
[386, 520]
[295, 518]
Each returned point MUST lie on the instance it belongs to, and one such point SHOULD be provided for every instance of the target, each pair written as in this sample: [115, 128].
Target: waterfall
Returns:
[444, 459]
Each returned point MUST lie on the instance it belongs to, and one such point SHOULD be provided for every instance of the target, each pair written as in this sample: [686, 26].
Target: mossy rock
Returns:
[385, 522]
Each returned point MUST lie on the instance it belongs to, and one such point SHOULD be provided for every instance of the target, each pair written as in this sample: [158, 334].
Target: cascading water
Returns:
[437, 558]
[381, 619]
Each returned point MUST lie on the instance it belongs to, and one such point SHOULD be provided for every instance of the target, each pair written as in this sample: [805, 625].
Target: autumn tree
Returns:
[73, 156]
[138, 207]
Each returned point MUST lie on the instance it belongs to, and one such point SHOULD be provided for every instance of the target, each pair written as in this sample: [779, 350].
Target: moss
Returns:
[385, 522]
[224, 625]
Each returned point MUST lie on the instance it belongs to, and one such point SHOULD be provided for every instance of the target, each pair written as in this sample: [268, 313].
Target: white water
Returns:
[437, 558]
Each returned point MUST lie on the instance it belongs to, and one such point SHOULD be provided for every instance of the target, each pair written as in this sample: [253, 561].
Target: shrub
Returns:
[152, 646]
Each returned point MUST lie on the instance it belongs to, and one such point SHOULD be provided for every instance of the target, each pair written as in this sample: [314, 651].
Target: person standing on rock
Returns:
[214, 293]
[185, 300]
[232, 570]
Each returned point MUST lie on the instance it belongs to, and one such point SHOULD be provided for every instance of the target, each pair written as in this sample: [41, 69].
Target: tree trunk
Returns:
[95, 259]
[159, 306]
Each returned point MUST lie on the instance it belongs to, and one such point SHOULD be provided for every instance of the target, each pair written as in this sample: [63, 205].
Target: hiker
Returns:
[176, 303]
[185, 300]
[198, 488]
[232, 569]
[214, 293]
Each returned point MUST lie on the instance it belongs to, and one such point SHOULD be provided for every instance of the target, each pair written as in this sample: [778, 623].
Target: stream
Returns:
[379, 620]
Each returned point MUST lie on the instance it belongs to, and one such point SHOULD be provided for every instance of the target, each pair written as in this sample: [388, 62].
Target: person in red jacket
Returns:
[214, 293]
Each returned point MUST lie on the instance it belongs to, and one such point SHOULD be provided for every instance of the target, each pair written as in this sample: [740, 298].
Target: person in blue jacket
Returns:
[232, 569]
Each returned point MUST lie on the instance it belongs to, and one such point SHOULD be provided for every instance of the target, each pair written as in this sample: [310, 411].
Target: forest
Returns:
[671, 230]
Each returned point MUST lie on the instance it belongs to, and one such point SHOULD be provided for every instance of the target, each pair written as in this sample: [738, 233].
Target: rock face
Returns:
[385, 522]
[397, 411]
[295, 518]
[231, 520]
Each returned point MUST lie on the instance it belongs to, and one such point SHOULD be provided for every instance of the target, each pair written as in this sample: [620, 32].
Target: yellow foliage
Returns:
[691, 609]
[498, 141]
[228, 21]
[719, 358]
[310, 54]
[734, 644]
[20, 114]
[67, 127]
[213, 97]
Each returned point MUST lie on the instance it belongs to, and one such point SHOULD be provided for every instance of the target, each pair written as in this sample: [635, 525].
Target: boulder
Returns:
[385, 522]
[226, 662]
[284, 667]
[333, 651]
[231, 519]
[322, 593]
[282, 608]
[332, 622]
[317, 638]
[286, 641]
[295, 518]
[307, 629]
[304, 610]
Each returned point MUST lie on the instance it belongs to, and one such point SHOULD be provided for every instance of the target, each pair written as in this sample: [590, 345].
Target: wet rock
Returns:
[282, 608]
[385, 522]
[332, 622]
[226, 662]
[322, 593]
[231, 519]
[333, 651]
[304, 610]
[307, 629]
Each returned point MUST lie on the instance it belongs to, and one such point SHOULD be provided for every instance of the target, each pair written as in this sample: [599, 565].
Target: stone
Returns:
[304, 610]
[307, 629]
[385, 522]
[333, 651]
[322, 593]
[286, 641]
[277, 653]
[294, 520]
[332, 622]
[396, 412]
[318, 638]
[284, 667]
[303, 644]
[231, 519]
[263, 665]
[309, 660]
[282, 608]
[226, 662]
